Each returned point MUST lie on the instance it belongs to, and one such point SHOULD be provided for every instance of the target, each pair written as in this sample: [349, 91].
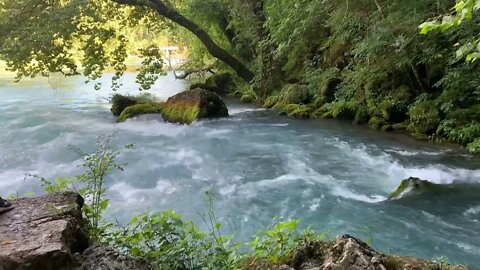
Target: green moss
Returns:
[121, 102]
[181, 114]
[361, 116]
[294, 94]
[248, 98]
[302, 111]
[376, 122]
[189, 106]
[270, 102]
[140, 109]
[424, 118]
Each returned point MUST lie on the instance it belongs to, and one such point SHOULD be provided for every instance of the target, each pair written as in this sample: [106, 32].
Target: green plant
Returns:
[280, 239]
[90, 184]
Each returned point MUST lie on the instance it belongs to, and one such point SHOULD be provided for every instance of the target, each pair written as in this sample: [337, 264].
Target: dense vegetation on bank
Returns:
[366, 61]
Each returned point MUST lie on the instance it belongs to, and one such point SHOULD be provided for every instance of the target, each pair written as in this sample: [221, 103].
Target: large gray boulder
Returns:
[42, 233]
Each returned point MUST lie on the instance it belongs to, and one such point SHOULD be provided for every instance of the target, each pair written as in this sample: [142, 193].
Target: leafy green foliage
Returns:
[464, 10]
[90, 184]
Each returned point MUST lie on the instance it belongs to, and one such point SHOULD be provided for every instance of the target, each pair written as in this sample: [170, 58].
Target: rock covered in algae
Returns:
[189, 106]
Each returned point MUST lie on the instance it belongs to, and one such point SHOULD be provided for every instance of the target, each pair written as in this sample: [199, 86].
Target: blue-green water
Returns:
[333, 175]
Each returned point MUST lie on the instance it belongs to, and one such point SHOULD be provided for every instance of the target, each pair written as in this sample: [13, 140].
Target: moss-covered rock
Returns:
[376, 122]
[424, 118]
[294, 110]
[270, 102]
[140, 109]
[189, 106]
[294, 94]
[120, 102]
[413, 186]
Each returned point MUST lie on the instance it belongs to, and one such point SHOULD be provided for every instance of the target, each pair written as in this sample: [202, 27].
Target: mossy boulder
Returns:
[294, 110]
[120, 102]
[140, 109]
[294, 94]
[189, 106]
[413, 186]
[424, 118]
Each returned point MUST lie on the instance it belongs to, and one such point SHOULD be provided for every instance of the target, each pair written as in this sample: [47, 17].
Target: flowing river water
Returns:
[333, 175]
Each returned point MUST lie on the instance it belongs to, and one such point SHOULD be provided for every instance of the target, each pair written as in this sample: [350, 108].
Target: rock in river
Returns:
[189, 106]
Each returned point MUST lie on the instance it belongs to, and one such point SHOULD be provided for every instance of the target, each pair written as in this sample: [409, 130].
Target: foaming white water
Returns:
[382, 160]
[239, 110]
[344, 192]
[472, 211]
[148, 127]
[131, 195]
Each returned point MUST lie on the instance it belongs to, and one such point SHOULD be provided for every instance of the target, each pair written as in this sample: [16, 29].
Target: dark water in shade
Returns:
[332, 175]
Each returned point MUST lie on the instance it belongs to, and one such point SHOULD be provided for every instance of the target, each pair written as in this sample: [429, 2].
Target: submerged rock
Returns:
[412, 186]
[42, 233]
[140, 109]
[189, 106]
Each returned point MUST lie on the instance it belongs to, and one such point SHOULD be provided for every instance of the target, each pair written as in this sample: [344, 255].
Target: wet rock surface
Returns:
[42, 233]
[47, 233]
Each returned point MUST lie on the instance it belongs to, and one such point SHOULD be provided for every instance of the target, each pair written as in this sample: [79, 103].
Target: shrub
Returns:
[424, 118]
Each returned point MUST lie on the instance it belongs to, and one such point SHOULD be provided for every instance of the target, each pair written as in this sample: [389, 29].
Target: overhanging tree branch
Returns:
[216, 51]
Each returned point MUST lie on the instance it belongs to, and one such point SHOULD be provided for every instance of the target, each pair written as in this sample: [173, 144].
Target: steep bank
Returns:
[47, 233]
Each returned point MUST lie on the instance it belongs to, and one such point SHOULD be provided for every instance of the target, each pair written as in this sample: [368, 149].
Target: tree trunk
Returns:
[216, 51]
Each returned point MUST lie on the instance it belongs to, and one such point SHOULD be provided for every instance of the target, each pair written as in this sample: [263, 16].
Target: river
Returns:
[333, 175]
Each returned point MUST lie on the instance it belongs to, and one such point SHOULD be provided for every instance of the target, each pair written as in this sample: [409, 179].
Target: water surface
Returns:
[333, 175]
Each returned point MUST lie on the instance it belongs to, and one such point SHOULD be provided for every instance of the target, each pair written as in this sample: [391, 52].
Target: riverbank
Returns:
[49, 233]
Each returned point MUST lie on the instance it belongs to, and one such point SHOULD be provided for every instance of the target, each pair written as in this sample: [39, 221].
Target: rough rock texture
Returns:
[98, 257]
[189, 106]
[412, 186]
[348, 253]
[42, 233]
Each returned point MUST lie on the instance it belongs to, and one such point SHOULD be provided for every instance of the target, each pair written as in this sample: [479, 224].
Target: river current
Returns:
[260, 166]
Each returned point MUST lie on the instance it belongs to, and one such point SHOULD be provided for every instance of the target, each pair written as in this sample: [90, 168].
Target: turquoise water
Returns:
[333, 175]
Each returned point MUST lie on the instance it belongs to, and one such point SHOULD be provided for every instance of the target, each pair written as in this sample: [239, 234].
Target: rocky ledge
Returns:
[47, 233]
[348, 253]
